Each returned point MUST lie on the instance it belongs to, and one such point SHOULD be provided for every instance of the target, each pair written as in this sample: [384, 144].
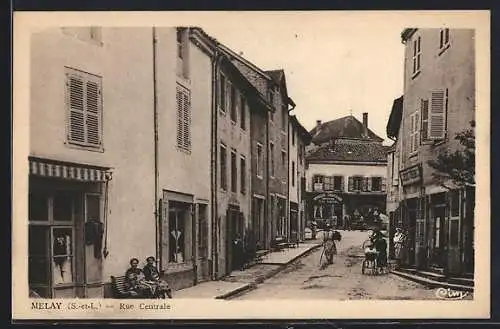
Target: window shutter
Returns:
[76, 122]
[437, 116]
[350, 186]
[416, 132]
[180, 126]
[369, 183]
[424, 105]
[186, 112]
[383, 184]
[93, 102]
[342, 183]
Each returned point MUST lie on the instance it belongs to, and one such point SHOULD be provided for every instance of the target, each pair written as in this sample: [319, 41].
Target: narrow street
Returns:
[341, 281]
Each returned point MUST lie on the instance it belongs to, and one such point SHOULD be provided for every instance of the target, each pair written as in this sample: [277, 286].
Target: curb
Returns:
[253, 285]
[431, 283]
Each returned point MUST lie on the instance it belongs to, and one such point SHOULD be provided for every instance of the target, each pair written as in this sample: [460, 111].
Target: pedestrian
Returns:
[398, 241]
[347, 225]
[239, 252]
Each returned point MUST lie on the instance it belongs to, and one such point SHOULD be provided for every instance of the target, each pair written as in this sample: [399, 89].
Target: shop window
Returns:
[62, 255]
[177, 229]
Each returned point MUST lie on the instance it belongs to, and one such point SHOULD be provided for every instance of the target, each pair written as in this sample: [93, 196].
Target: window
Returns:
[243, 173]
[337, 183]
[242, 112]
[376, 184]
[182, 52]
[444, 39]
[318, 182]
[284, 116]
[271, 101]
[424, 125]
[260, 161]
[328, 183]
[233, 103]
[223, 167]
[271, 154]
[55, 239]
[183, 98]
[234, 171]
[179, 232]
[414, 132]
[355, 183]
[229, 91]
[293, 136]
[222, 93]
[417, 55]
[293, 173]
[437, 115]
[84, 108]
[284, 159]
[395, 177]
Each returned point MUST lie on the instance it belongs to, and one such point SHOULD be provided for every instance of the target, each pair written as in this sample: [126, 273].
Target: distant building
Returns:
[439, 101]
[298, 140]
[346, 171]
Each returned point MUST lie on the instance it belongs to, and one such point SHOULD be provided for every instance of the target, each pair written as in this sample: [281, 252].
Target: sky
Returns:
[331, 72]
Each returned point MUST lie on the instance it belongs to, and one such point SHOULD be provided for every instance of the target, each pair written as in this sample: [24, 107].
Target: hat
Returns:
[150, 258]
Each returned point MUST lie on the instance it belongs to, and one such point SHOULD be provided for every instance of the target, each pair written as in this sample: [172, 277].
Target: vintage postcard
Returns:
[251, 165]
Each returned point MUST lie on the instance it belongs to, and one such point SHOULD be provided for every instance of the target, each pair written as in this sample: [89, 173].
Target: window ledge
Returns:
[260, 177]
[439, 142]
[184, 81]
[84, 147]
[442, 50]
[222, 112]
[183, 150]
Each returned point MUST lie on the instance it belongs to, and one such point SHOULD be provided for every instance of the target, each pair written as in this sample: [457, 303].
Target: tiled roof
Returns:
[346, 127]
[349, 150]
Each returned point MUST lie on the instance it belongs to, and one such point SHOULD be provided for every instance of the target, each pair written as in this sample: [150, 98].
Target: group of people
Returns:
[146, 282]
[378, 246]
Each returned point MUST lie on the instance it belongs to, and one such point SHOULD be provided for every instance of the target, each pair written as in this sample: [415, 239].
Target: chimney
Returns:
[318, 123]
[365, 124]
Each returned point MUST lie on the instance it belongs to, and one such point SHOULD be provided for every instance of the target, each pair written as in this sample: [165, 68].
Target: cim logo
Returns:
[447, 293]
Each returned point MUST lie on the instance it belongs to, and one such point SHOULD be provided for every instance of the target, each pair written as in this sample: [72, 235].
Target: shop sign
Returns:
[411, 175]
[328, 198]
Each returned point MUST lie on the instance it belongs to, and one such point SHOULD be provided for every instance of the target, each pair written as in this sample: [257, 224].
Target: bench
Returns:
[119, 288]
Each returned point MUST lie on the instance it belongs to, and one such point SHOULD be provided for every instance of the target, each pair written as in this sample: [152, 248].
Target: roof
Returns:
[345, 127]
[406, 34]
[276, 75]
[301, 130]
[392, 128]
[344, 150]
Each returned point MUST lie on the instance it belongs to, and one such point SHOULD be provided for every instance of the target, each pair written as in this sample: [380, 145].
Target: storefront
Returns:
[67, 228]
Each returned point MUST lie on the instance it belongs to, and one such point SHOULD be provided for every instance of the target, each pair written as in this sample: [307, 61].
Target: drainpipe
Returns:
[155, 123]
[213, 163]
[269, 203]
[288, 169]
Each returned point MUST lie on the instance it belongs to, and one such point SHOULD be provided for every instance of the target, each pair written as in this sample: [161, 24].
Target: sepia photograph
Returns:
[211, 161]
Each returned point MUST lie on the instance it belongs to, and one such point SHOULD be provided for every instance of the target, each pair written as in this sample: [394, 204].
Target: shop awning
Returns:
[69, 171]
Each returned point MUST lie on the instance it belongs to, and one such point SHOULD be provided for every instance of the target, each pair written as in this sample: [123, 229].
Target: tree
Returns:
[458, 166]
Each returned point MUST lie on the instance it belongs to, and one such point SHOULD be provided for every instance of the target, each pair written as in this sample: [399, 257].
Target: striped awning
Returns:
[75, 172]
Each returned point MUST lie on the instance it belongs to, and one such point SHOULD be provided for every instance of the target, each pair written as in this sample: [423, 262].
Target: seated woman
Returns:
[135, 281]
[152, 275]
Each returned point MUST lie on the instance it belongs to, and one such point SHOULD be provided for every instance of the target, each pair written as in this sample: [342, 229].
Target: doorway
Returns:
[234, 231]
[438, 236]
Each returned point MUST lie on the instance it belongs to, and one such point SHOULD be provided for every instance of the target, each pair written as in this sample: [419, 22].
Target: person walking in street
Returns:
[238, 252]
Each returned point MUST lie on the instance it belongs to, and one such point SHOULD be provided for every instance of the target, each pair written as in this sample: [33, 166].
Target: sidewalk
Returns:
[240, 281]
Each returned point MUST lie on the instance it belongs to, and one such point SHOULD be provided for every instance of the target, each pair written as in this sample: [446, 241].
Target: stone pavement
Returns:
[241, 281]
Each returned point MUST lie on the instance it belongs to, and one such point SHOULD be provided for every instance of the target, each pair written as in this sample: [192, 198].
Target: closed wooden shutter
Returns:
[369, 183]
[384, 184]
[183, 118]
[364, 184]
[76, 131]
[351, 184]
[424, 106]
[342, 183]
[437, 116]
[84, 108]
